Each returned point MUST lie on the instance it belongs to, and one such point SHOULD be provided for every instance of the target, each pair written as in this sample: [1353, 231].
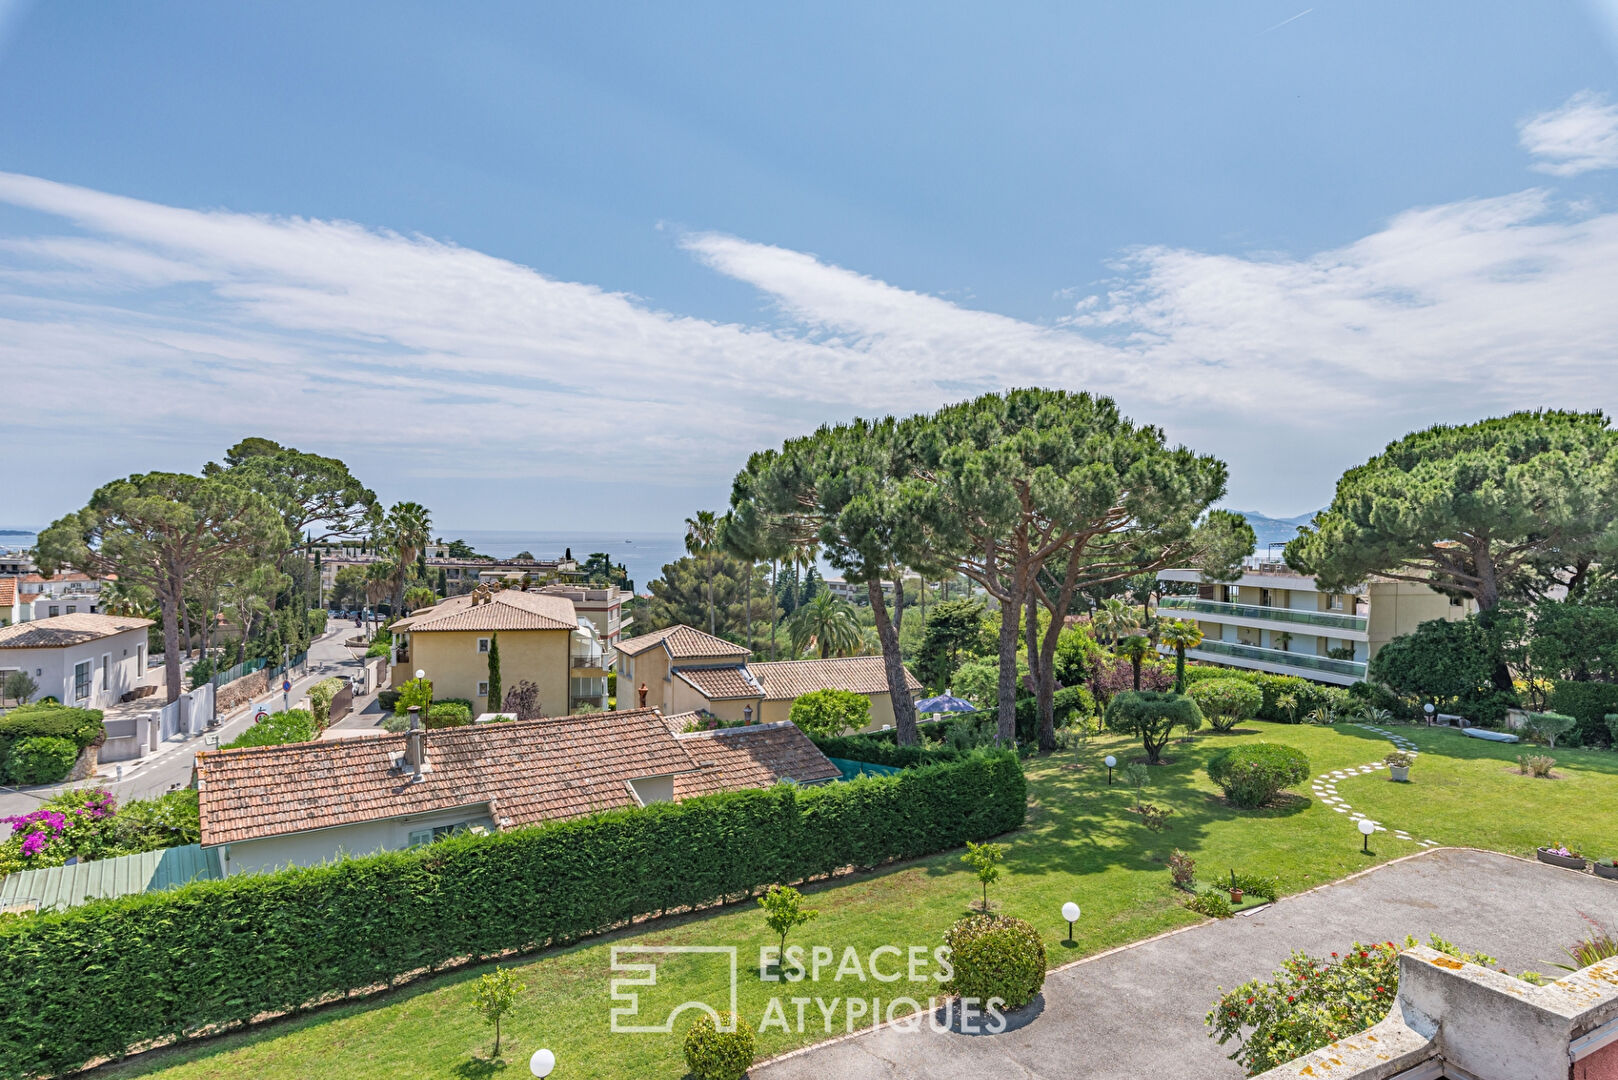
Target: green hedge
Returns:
[1310, 695]
[93, 981]
[81, 727]
[875, 750]
[1586, 702]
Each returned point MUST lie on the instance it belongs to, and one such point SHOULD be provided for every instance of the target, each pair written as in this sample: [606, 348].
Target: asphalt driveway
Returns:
[1137, 1012]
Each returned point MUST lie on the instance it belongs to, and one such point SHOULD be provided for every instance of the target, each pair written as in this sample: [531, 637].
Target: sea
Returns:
[642, 554]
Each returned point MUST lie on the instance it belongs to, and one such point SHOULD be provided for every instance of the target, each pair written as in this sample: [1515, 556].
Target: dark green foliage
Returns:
[40, 759]
[276, 729]
[1588, 703]
[873, 749]
[94, 980]
[1067, 701]
[496, 695]
[1575, 641]
[447, 714]
[955, 629]
[1153, 715]
[1444, 661]
[1309, 695]
[1254, 773]
[1226, 702]
[712, 1054]
[81, 727]
[387, 700]
[1373, 695]
[995, 957]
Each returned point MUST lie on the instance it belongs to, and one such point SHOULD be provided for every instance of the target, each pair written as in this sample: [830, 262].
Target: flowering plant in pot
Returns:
[1561, 855]
[1398, 763]
[1607, 868]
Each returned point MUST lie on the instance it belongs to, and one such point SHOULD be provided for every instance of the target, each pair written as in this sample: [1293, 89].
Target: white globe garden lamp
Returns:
[1109, 761]
[542, 1063]
[1070, 912]
[1367, 827]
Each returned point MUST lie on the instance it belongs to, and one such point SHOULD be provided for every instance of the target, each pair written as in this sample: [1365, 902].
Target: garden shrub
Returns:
[1548, 726]
[1210, 902]
[1368, 695]
[1254, 773]
[831, 712]
[1153, 715]
[1264, 886]
[40, 759]
[1066, 702]
[277, 729]
[81, 727]
[1310, 1002]
[1226, 702]
[712, 1054]
[874, 750]
[995, 956]
[447, 714]
[320, 696]
[312, 934]
[388, 700]
[1588, 703]
[1182, 869]
[88, 823]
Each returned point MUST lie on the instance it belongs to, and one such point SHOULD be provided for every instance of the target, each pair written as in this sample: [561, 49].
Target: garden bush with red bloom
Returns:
[1310, 1002]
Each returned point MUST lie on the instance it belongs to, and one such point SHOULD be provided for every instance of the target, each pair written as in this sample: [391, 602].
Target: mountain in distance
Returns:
[1271, 530]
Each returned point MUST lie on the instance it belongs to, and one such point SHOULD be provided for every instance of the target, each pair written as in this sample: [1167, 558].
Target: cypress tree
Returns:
[494, 673]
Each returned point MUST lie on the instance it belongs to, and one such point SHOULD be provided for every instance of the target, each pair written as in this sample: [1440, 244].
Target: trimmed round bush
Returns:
[995, 956]
[712, 1054]
[41, 759]
[1226, 702]
[1255, 773]
[1153, 715]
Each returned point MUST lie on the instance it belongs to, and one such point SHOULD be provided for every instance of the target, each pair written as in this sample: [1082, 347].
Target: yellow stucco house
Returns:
[683, 669]
[542, 640]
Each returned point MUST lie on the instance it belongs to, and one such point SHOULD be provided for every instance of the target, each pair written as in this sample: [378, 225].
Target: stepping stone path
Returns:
[1325, 785]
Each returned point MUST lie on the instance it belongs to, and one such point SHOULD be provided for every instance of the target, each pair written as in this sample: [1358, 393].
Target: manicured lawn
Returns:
[1080, 844]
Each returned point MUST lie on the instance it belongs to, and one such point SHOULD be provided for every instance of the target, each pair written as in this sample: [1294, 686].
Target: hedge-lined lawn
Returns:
[1080, 844]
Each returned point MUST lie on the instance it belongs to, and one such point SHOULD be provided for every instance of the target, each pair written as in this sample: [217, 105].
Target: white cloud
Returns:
[152, 323]
[1578, 136]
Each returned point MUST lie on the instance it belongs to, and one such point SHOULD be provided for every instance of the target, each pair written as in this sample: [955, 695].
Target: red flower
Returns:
[1363, 955]
[1250, 1001]
[1290, 999]
[1334, 954]
[1379, 990]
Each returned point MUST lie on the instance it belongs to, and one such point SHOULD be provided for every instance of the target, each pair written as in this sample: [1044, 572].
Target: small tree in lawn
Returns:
[1152, 715]
[1227, 702]
[494, 699]
[1549, 726]
[1181, 636]
[494, 995]
[784, 910]
[985, 859]
[1136, 648]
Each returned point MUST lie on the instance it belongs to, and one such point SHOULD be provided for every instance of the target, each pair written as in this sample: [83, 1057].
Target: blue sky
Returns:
[564, 267]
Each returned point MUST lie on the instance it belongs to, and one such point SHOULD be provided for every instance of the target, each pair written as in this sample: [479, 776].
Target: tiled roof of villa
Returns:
[683, 643]
[8, 592]
[786, 679]
[59, 631]
[730, 759]
[720, 683]
[509, 609]
[528, 771]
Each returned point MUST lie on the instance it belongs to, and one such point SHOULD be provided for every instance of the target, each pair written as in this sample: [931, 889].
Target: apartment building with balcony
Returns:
[1277, 620]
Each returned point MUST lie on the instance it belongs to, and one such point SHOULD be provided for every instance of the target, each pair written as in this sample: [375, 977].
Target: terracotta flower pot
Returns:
[1235, 896]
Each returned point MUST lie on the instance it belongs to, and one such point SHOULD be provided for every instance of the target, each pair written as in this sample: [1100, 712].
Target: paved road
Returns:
[170, 766]
[1138, 1012]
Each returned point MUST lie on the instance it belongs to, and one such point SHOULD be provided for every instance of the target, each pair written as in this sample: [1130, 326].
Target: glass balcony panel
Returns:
[1306, 661]
[1329, 620]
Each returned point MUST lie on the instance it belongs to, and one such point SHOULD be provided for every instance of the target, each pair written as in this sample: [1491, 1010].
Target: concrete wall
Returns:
[326, 845]
[1398, 607]
[117, 666]
[455, 666]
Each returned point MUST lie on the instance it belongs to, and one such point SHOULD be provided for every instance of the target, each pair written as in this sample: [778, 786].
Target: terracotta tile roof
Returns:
[683, 642]
[62, 630]
[731, 759]
[679, 721]
[8, 592]
[720, 683]
[509, 609]
[786, 679]
[530, 771]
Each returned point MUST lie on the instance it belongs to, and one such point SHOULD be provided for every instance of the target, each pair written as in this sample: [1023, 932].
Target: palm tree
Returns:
[1115, 618]
[409, 528]
[117, 598]
[419, 596]
[830, 624]
[1136, 648]
[701, 535]
[1181, 636]
[378, 585]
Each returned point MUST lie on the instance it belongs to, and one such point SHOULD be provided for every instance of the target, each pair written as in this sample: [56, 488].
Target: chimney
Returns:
[415, 745]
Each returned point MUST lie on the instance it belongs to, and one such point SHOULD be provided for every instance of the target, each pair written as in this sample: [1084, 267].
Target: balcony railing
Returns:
[599, 661]
[1353, 669]
[1328, 620]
